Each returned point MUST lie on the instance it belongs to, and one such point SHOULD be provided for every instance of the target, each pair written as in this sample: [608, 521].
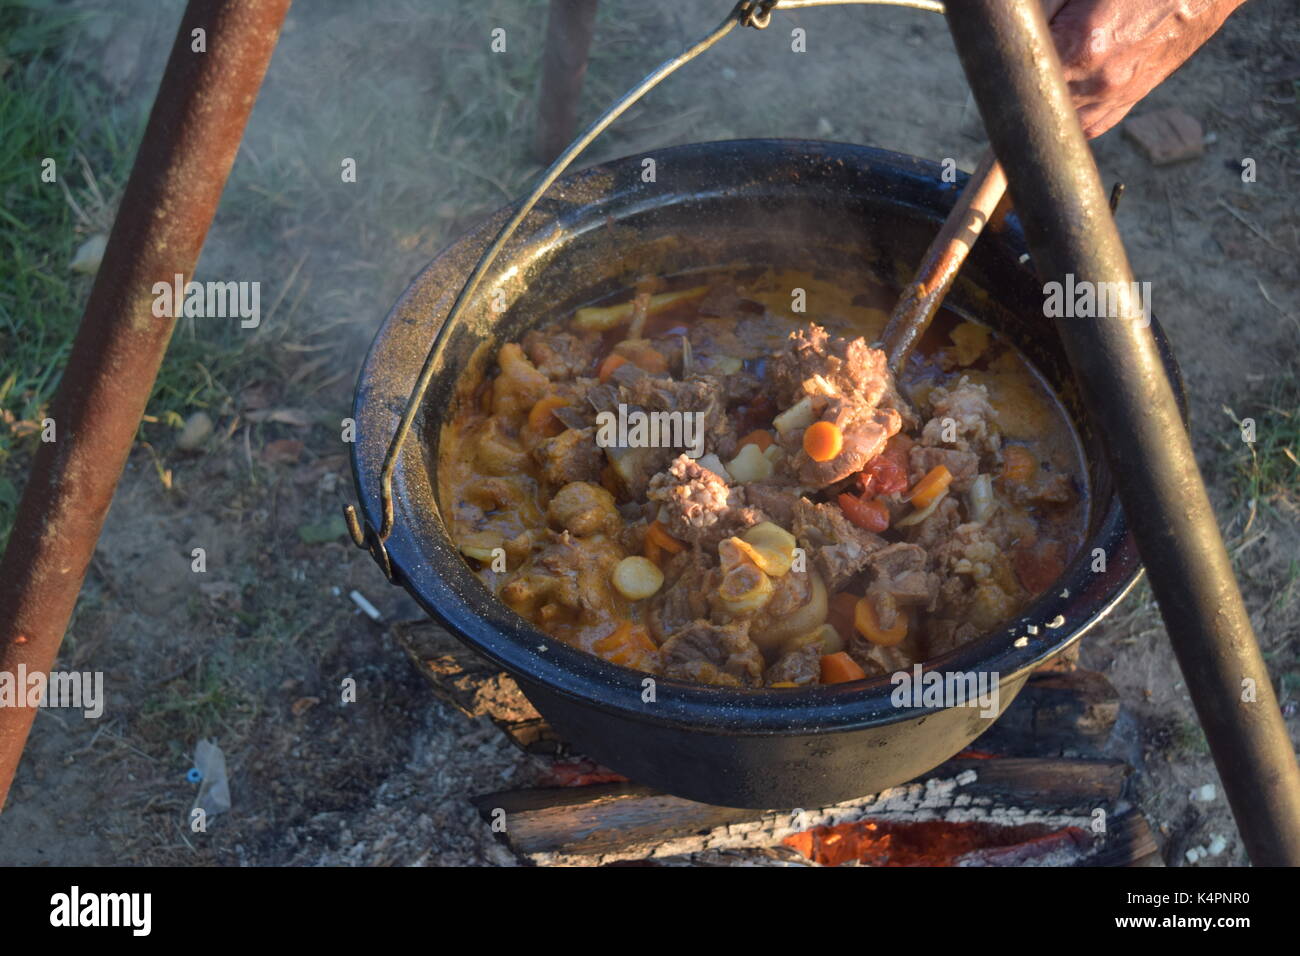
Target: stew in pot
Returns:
[707, 484]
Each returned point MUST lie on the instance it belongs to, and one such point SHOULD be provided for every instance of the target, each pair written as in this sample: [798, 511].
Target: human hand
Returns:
[1114, 52]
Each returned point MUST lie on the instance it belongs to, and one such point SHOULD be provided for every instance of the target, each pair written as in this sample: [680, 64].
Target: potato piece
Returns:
[750, 464]
[765, 534]
[637, 578]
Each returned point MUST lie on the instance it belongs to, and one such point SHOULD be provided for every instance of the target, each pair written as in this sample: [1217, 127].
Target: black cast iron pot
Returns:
[829, 209]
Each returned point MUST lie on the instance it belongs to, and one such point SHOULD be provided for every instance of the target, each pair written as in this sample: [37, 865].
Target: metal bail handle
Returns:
[749, 13]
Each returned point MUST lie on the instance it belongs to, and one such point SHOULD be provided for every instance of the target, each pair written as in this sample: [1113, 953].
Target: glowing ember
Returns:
[933, 843]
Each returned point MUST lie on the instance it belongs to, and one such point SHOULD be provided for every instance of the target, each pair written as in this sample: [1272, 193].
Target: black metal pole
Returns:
[1012, 66]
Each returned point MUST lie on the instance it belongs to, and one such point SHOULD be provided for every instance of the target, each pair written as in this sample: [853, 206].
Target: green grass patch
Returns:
[53, 107]
[1267, 471]
[48, 110]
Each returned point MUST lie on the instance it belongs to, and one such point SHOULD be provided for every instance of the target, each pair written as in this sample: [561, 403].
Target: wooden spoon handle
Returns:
[943, 260]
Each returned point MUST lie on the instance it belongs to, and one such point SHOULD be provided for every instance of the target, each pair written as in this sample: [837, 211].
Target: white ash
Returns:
[935, 799]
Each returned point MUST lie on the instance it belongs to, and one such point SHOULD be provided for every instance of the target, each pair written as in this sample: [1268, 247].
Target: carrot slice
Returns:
[643, 355]
[928, 488]
[760, 437]
[823, 441]
[660, 536]
[868, 625]
[625, 644]
[839, 668]
[869, 515]
[608, 367]
[540, 418]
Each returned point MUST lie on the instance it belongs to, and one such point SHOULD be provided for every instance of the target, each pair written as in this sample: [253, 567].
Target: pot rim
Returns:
[452, 593]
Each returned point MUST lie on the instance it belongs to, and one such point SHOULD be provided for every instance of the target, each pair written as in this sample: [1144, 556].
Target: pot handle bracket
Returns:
[748, 13]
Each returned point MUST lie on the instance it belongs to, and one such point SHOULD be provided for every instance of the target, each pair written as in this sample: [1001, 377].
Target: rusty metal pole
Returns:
[189, 145]
[569, 27]
[1012, 67]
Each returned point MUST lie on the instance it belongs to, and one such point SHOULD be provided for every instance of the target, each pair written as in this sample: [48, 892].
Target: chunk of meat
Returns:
[939, 526]
[980, 587]
[572, 455]
[562, 355]
[877, 660]
[866, 432]
[498, 450]
[583, 509]
[570, 574]
[635, 467]
[973, 421]
[816, 362]
[900, 579]
[848, 385]
[839, 549]
[1046, 488]
[702, 396]
[849, 366]
[575, 416]
[688, 582]
[698, 506]
[801, 666]
[740, 388]
[710, 653]
[776, 499]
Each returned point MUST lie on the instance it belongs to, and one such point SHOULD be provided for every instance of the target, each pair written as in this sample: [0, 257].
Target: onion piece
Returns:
[801, 620]
[916, 517]
[827, 639]
[980, 502]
